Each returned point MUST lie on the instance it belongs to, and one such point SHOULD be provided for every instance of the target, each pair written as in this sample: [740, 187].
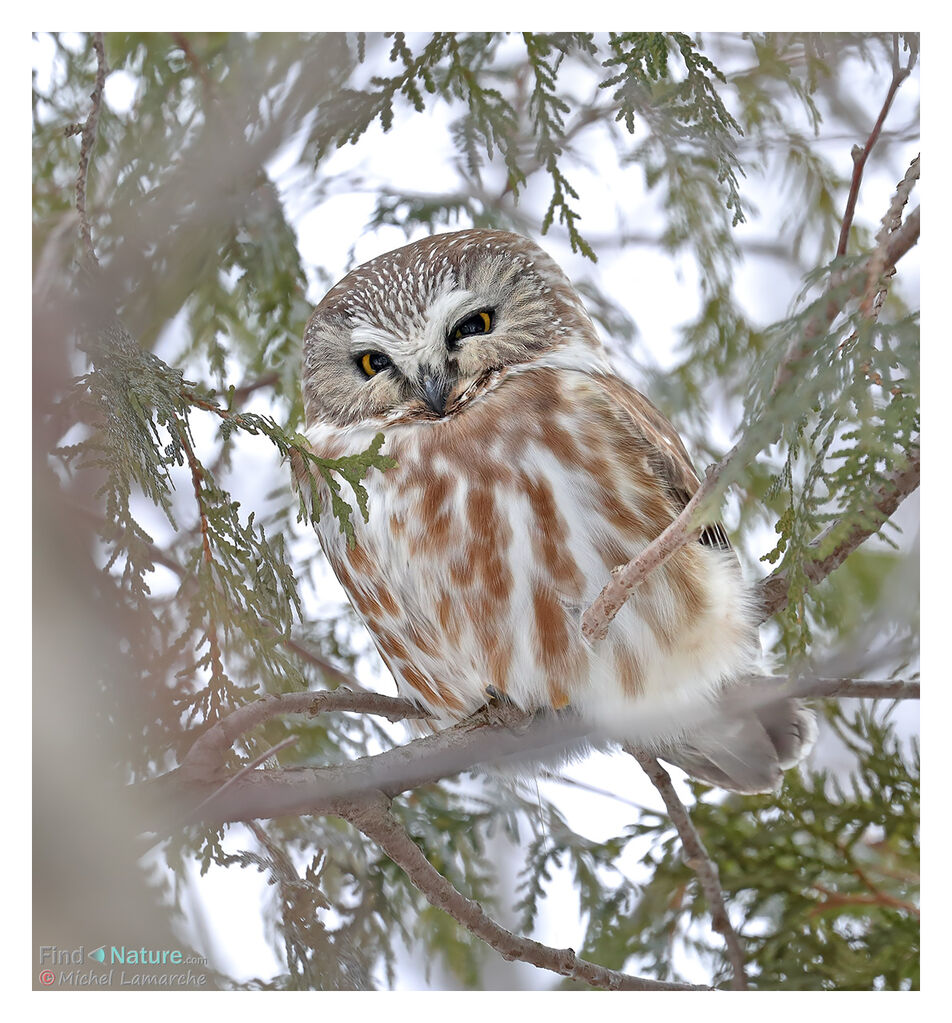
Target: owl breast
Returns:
[496, 530]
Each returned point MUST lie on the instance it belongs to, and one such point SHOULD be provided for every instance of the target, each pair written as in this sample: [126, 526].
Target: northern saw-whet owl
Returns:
[526, 471]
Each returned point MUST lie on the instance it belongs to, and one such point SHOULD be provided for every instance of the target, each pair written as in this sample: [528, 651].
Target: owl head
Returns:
[411, 333]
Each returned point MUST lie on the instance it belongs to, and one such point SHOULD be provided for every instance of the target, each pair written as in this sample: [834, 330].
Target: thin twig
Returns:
[198, 474]
[861, 153]
[323, 665]
[884, 898]
[834, 900]
[584, 786]
[240, 394]
[626, 578]
[372, 818]
[89, 132]
[181, 40]
[863, 689]
[697, 858]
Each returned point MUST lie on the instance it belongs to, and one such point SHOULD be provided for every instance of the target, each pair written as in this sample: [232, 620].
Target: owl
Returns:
[526, 470]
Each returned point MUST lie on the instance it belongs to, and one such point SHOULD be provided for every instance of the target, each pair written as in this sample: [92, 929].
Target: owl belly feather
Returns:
[497, 529]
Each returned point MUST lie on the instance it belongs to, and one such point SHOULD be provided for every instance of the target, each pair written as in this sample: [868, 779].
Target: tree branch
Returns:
[372, 817]
[697, 858]
[900, 484]
[208, 752]
[490, 736]
[626, 578]
[183, 794]
[863, 689]
[903, 239]
[880, 267]
[861, 153]
[835, 900]
[89, 131]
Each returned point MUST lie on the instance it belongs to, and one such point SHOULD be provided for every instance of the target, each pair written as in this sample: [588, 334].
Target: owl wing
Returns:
[668, 456]
[743, 749]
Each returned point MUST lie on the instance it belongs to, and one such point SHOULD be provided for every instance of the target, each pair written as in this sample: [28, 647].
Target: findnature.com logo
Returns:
[119, 955]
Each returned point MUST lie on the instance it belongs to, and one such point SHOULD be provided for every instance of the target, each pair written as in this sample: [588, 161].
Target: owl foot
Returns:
[501, 711]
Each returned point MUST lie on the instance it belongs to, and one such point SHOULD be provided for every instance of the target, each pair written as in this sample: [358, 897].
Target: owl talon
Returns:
[501, 712]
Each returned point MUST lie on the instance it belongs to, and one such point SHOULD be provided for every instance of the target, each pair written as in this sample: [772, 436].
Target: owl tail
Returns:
[746, 750]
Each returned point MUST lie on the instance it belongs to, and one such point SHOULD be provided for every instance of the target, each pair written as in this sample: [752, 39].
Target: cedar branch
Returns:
[697, 858]
[898, 486]
[158, 556]
[372, 817]
[626, 578]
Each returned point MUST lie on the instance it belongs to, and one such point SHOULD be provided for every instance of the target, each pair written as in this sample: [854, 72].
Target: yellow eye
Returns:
[373, 362]
[478, 323]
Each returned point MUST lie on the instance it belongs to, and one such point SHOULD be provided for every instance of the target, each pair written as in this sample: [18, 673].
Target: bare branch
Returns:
[627, 577]
[326, 667]
[209, 751]
[372, 817]
[491, 736]
[697, 858]
[583, 786]
[240, 394]
[88, 140]
[847, 688]
[861, 153]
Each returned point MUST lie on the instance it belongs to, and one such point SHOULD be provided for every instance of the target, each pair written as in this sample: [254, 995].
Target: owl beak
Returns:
[435, 389]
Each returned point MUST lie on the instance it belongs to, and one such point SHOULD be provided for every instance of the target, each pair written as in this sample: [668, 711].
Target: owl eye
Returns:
[476, 323]
[373, 362]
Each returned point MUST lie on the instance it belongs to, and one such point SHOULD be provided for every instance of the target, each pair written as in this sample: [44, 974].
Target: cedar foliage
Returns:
[173, 348]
